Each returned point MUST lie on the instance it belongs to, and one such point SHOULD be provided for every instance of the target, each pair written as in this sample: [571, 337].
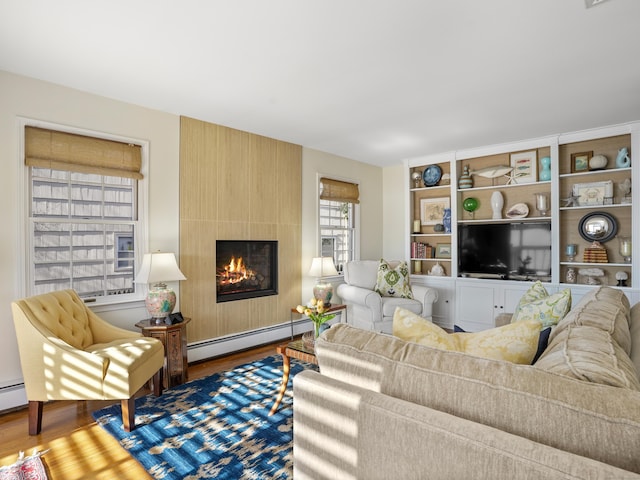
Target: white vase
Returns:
[497, 202]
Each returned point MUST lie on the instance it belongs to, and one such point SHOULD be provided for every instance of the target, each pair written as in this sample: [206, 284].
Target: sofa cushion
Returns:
[589, 353]
[537, 304]
[393, 281]
[544, 407]
[515, 342]
[391, 304]
[605, 308]
[635, 336]
[593, 341]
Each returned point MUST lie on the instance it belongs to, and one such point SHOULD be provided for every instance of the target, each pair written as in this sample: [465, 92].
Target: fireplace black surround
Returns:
[246, 269]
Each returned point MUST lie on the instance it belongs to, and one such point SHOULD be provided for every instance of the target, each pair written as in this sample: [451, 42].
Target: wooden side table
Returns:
[174, 339]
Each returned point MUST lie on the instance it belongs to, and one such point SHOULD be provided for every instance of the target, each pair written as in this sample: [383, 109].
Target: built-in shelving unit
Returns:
[567, 156]
[573, 172]
[430, 244]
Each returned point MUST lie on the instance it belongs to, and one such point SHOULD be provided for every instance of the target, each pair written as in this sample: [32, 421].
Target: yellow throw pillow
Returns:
[414, 328]
[516, 342]
[537, 304]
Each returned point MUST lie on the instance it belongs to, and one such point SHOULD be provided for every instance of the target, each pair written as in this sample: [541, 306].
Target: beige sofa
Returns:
[384, 408]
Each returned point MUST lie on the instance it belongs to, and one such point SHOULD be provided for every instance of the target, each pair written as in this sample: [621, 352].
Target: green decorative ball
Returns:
[470, 204]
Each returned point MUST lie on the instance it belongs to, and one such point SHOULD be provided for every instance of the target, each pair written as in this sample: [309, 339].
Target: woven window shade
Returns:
[338, 191]
[67, 151]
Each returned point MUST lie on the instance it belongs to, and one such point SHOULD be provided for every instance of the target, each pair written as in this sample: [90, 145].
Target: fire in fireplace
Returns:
[246, 269]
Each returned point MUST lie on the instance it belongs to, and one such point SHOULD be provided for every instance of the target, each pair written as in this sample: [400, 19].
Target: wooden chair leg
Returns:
[128, 414]
[158, 383]
[35, 417]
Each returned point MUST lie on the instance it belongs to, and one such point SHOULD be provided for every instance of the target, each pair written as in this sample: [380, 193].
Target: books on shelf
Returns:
[422, 250]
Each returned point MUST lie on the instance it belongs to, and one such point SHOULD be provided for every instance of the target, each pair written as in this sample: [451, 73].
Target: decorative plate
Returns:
[431, 175]
[519, 210]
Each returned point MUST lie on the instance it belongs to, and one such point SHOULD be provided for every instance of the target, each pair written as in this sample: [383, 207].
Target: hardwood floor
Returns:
[78, 447]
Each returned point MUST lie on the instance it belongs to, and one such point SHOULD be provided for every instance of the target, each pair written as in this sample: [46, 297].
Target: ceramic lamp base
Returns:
[324, 292]
[160, 302]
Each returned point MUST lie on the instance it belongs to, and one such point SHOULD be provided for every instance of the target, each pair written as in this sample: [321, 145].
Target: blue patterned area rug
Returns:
[214, 427]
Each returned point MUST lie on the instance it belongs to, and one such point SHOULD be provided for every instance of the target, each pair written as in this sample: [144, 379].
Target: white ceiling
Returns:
[372, 80]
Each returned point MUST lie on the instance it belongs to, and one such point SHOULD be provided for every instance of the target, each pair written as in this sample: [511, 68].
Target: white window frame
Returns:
[25, 234]
[356, 215]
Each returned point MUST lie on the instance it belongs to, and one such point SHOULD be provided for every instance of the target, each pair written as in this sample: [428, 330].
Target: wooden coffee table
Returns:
[295, 349]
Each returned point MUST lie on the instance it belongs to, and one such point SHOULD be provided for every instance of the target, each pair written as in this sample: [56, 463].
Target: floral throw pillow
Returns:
[537, 304]
[393, 282]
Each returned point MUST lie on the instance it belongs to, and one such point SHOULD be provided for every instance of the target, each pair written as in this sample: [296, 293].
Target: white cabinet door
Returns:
[474, 306]
[443, 309]
[479, 303]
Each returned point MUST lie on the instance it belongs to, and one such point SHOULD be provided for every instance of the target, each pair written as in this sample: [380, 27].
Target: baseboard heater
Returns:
[215, 347]
[11, 387]
[12, 395]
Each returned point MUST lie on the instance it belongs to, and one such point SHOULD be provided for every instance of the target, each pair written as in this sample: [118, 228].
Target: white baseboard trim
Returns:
[241, 341]
[12, 396]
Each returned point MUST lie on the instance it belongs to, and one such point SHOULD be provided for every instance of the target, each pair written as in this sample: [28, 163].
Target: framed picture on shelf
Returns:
[443, 250]
[593, 193]
[432, 210]
[525, 167]
[580, 162]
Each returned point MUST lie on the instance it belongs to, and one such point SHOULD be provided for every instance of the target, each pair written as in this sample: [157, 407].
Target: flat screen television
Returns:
[510, 251]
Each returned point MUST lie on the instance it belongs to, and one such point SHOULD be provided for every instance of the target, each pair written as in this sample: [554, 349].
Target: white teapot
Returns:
[437, 270]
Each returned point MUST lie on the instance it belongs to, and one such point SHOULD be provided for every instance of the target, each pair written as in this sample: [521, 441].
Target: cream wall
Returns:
[394, 206]
[33, 99]
[316, 164]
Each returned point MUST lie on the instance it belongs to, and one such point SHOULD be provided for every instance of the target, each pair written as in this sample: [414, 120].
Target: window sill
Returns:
[116, 304]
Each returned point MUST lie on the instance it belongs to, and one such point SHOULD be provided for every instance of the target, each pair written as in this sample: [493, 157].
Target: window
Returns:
[83, 217]
[337, 220]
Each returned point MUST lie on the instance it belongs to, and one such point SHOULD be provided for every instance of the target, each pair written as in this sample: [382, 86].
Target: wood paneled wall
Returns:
[236, 185]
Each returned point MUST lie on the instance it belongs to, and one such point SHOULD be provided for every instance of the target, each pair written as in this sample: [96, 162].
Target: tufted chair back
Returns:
[63, 314]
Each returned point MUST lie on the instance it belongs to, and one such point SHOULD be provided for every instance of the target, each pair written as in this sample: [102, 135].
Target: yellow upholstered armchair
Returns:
[67, 352]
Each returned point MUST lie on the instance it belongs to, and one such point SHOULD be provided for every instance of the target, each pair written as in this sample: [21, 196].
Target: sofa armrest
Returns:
[427, 296]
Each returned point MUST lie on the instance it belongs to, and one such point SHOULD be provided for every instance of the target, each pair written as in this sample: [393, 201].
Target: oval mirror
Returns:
[598, 226]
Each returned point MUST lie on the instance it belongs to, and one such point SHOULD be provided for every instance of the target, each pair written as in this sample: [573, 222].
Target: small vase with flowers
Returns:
[318, 314]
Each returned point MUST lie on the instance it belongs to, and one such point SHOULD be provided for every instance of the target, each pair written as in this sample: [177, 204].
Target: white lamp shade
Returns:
[159, 267]
[322, 267]
[156, 269]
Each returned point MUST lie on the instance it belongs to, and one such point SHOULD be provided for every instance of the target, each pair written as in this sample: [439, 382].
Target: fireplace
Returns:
[246, 269]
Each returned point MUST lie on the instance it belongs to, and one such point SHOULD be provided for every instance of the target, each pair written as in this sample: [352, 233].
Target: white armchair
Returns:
[370, 311]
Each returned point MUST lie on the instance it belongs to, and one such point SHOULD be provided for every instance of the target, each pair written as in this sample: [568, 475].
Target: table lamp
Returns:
[323, 267]
[156, 269]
